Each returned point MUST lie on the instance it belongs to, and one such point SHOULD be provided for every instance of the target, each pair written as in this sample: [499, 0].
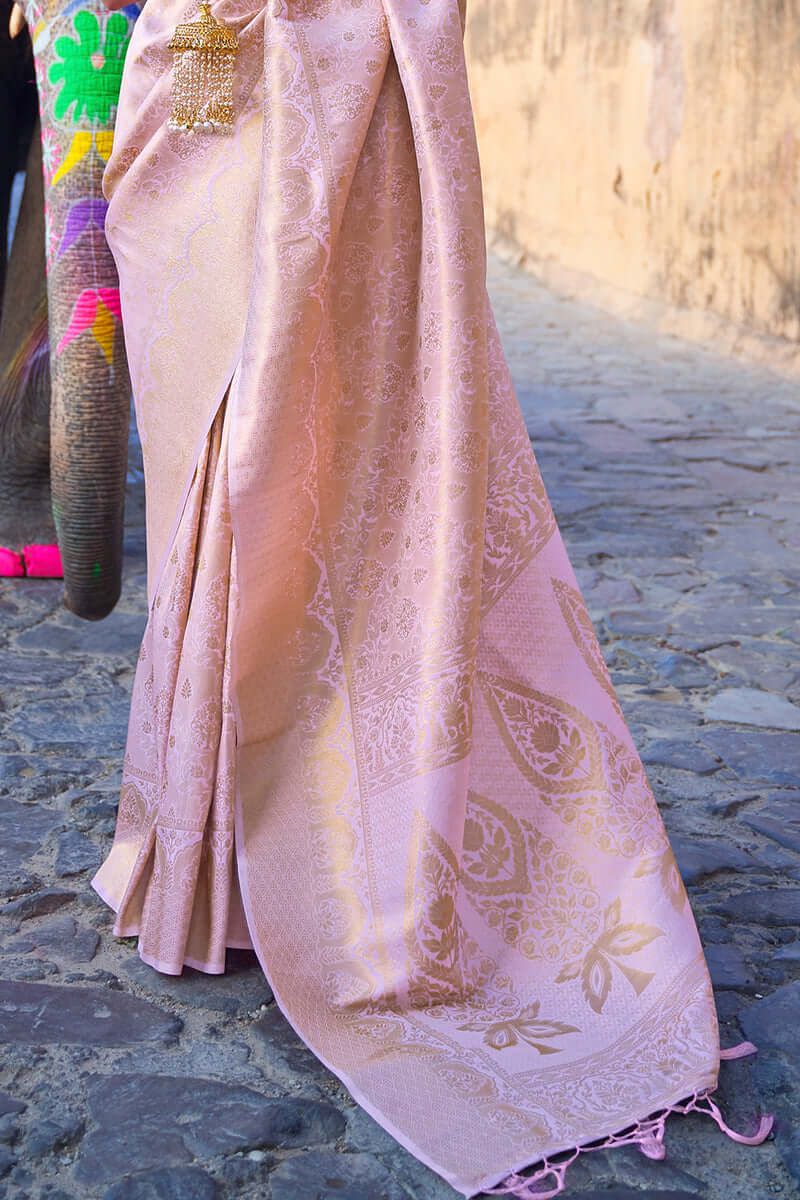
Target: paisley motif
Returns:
[554, 745]
[666, 868]
[433, 932]
[577, 767]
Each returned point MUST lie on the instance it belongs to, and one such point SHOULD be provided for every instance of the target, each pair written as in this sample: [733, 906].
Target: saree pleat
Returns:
[175, 826]
[372, 731]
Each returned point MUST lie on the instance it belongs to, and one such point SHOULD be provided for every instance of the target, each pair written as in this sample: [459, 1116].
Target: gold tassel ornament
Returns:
[202, 87]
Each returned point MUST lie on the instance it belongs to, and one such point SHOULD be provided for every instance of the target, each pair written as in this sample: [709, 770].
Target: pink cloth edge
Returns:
[43, 559]
[38, 559]
[353, 1088]
[169, 968]
[647, 1133]
[157, 964]
[521, 1188]
[12, 565]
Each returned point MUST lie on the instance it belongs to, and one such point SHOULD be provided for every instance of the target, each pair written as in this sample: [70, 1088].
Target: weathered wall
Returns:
[654, 144]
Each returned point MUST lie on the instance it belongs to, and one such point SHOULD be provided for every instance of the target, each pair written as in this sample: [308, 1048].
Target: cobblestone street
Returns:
[673, 474]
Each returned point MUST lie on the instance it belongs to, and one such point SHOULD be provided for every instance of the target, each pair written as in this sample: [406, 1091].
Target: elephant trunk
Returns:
[89, 425]
[90, 400]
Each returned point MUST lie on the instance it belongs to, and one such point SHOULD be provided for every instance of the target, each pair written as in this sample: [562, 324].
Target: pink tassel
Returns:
[764, 1125]
[651, 1145]
[520, 1185]
[648, 1135]
[739, 1051]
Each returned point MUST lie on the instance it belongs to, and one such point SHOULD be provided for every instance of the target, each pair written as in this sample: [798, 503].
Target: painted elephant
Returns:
[80, 370]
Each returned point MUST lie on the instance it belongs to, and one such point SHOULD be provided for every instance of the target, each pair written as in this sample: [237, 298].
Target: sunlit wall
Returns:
[653, 144]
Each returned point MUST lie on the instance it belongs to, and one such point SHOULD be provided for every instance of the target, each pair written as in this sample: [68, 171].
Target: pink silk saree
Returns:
[372, 734]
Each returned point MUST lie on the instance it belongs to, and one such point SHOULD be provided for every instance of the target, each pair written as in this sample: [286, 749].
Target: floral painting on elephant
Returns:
[79, 52]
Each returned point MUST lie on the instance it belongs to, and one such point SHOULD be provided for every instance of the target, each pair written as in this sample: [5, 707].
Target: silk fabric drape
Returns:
[372, 732]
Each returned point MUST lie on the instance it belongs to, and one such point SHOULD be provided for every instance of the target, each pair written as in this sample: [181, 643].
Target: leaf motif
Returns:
[673, 883]
[500, 1036]
[638, 979]
[627, 939]
[613, 913]
[473, 835]
[570, 970]
[648, 866]
[474, 1026]
[500, 841]
[503, 1034]
[528, 1029]
[529, 1011]
[596, 979]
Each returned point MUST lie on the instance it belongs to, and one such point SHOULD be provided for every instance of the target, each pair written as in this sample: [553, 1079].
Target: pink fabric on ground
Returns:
[372, 732]
[11, 563]
[43, 560]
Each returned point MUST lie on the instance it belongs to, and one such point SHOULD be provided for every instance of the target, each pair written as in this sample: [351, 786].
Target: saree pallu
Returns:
[372, 734]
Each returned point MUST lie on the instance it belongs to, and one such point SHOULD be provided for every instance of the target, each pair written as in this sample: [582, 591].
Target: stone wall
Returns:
[653, 144]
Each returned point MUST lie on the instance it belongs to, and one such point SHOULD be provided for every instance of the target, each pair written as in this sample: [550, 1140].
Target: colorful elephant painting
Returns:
[79, 52]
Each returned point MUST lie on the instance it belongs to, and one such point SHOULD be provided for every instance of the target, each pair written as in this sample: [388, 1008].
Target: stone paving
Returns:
[673, 474]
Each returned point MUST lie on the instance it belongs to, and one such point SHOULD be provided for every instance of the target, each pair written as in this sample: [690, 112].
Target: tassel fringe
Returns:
[647, 1134]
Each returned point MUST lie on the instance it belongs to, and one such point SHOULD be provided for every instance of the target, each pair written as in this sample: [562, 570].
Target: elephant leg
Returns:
[25, 503]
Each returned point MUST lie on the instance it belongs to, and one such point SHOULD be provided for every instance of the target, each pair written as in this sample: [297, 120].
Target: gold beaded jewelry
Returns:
[202, 87]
